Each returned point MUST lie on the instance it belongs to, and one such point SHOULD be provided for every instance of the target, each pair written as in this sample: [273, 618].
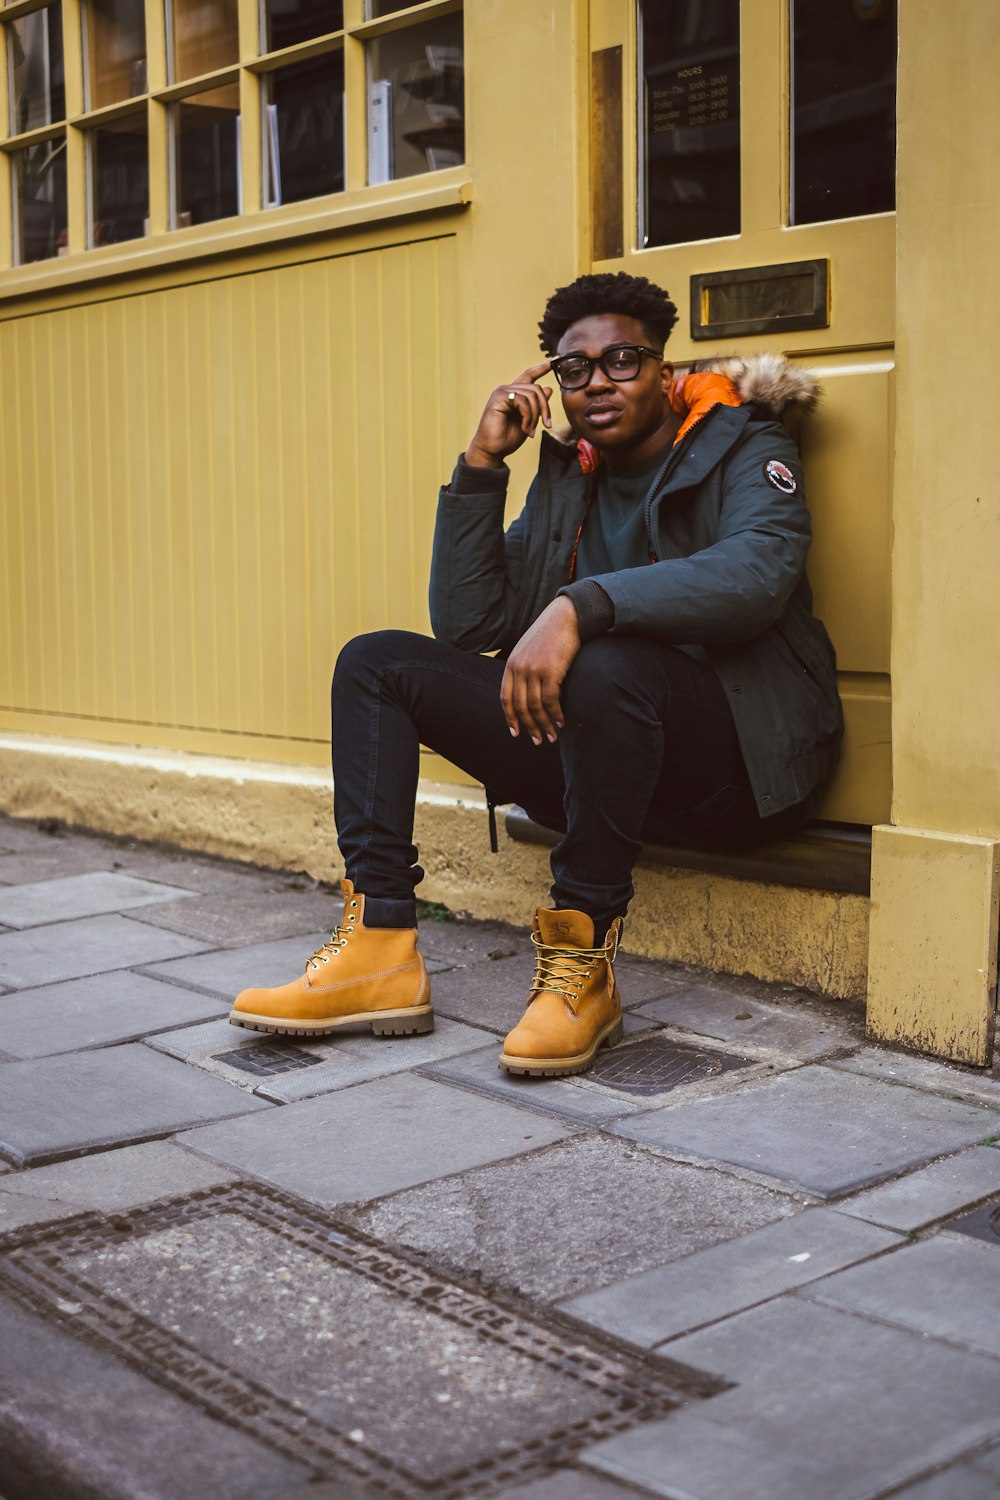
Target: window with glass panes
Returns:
[155, 91]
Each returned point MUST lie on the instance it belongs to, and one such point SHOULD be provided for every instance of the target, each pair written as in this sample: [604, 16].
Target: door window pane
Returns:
[843, 109]
[203, 36]
[206, 156]
[40, 201]
[119, 176]
[114, 51]
[690, 121]
[416, 100]
[35, 60]
[285, 22]
[304, 130]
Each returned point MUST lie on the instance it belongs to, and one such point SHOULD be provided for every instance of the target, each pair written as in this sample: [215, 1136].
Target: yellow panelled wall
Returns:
[220, 449]
[207, 490]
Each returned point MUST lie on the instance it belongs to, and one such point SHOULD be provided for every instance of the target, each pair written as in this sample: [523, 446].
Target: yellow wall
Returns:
[215, 471]
[933, 961]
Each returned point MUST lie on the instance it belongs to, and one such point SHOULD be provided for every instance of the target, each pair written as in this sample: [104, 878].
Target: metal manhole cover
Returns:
[656, 1065]
[335, 1351]
[982, 1224]
[265, 1058]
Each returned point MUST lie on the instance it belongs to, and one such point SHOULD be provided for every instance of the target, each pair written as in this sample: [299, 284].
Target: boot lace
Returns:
[566, 970]
[338, 939]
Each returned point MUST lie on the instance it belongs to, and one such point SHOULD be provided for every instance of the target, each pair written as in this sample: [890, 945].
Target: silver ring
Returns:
[512, 398]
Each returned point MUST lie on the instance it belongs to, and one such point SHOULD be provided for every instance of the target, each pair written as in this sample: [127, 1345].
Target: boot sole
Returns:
[412, 1020]
[560, 1067]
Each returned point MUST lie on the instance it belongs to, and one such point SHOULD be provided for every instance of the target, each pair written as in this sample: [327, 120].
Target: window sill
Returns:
[363, 208]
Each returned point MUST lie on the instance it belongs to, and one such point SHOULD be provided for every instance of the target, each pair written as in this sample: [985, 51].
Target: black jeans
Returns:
[649, 752]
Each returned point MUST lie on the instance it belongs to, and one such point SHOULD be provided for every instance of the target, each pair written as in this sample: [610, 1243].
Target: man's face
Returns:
[616, 415]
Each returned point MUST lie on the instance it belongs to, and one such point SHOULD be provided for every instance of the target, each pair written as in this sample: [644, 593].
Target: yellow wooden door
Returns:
[749, 86]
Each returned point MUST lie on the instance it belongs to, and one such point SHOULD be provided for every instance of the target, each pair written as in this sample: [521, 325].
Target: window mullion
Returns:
[251, 113]
[355, 113]
[6, 222]
[159, 167]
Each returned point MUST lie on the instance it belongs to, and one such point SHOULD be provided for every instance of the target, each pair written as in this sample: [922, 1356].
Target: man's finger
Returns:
[543, 726]
[532, 373]
[522, 708]
[507, 701]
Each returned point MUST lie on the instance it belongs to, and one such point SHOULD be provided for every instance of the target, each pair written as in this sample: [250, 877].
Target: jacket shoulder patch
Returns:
[781, 476]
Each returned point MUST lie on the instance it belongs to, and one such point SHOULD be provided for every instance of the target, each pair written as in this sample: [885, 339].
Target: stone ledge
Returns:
[281, 817]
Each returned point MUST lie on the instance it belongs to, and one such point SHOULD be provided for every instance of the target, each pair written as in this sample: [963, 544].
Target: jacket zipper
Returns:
[660, 478]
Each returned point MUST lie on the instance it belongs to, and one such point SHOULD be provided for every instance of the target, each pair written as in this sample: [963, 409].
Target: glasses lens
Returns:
[572, 373]
[622, 364]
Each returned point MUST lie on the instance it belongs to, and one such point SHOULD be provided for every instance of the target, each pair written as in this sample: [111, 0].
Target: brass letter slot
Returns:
[760, 299]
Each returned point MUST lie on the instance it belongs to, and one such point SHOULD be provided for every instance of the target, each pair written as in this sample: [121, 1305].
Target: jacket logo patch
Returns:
[781, 476]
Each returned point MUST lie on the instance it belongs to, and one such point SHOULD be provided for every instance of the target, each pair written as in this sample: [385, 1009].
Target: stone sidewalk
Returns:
[748, 1257]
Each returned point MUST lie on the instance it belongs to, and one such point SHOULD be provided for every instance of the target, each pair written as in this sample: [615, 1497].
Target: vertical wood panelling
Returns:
[207, 490]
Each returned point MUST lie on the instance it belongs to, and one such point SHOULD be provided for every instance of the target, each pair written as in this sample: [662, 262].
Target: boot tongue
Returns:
[347, 890]
[565, 929]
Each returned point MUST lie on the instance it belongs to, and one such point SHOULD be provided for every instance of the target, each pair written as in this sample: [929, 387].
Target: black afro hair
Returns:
[587, 296]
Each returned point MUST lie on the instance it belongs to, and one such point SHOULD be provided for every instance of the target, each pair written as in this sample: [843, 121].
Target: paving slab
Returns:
[128, 1437]
[930, 1193]
[493, 993]
[960, 1482]
[224, 972]
[108, 1183]
[828, 1406]
[460, 943]
[989, 1462]
[72, 896]
[581, 1200]
[632, 1078]
[18, 834]
[572, 1484]
[672, 1299]
[826, 1131]
[924, 1073]
[97, 1011]
[56, 1107]
[58, 857]
[709, 1011]
[947, 1287]
[575, 1099]
[375, 1138]
[92, 945]
[352, 1056]
[234, 918]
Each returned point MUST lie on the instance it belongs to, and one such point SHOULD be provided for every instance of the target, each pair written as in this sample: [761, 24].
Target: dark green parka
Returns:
[730, 531]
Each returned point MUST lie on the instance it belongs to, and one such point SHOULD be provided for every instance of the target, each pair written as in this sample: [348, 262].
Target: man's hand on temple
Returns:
[511, 414]
[535, 672]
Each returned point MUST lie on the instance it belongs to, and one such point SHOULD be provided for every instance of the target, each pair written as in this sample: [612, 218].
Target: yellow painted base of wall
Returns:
[282, 817]
[933, 963]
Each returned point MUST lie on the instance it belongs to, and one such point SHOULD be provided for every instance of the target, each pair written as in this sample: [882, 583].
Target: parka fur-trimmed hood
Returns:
[770, 379]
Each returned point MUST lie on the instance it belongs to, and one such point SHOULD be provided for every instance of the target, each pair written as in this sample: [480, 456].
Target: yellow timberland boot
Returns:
[374, 974]
[574, 1006]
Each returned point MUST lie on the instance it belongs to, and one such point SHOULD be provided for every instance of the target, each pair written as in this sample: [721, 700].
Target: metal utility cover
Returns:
[656, 1065]
[308, 1336]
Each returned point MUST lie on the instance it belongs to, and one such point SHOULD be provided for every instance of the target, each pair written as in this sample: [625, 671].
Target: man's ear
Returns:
[666, 375]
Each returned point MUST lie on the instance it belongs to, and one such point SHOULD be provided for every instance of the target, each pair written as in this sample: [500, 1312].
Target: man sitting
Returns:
[636, 658]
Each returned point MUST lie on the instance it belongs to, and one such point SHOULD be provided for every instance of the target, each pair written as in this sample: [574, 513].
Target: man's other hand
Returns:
[535, 672]
[511, 414]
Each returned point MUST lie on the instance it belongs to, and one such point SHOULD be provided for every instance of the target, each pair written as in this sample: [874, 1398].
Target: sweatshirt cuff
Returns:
[468, 479]
[595, 610]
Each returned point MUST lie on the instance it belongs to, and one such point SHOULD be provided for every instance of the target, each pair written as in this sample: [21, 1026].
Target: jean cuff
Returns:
[381, 911]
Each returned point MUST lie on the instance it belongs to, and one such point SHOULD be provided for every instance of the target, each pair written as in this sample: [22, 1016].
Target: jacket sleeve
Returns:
[734, 588]
[475, 567]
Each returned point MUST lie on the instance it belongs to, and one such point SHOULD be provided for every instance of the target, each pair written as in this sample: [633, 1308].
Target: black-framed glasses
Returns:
[619, 362]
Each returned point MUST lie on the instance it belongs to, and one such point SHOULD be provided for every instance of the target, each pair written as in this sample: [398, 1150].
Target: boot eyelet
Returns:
[354, 903]
[324, 960]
